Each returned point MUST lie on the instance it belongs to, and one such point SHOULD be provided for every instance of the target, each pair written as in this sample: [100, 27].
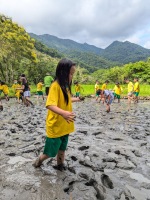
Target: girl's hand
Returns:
[68, 116]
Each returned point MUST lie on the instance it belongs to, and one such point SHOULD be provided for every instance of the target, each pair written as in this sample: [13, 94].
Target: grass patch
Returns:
[89, 90]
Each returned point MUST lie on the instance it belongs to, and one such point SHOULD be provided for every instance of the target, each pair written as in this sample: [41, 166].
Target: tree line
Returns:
[19, 53]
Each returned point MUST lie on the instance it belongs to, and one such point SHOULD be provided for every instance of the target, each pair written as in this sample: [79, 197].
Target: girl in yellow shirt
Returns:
[5, 90]
[60, 117]
[17, 91]
[117, 91]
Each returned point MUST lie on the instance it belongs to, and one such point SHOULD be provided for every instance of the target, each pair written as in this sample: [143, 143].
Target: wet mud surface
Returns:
[108, 155]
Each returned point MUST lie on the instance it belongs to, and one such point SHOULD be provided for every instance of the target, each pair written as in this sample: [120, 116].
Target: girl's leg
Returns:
[28, 101]
[60, 157]
[107, 108]
[38, 162]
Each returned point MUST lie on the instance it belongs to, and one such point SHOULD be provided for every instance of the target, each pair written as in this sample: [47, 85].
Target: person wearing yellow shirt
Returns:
[16, 86]
[117, 91]
[78, 88]
[39, 89]
[104, 87]
[97, 87]
[130, 90]
[5, 90]
[1, 90]
[60, 117]
[136, 90]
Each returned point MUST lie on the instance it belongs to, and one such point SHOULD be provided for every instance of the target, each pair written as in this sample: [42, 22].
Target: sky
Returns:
[96, 22]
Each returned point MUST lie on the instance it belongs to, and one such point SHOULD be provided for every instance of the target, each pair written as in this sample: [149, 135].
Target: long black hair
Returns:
[62, 76]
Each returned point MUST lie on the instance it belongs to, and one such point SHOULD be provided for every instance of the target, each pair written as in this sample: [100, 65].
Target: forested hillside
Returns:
[125, 52]
[19, 53]
[65, 45]
[116, 53]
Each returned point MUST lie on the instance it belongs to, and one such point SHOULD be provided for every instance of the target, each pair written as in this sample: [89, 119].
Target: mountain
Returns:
[65, 45]
[125, 52]
[117, 53]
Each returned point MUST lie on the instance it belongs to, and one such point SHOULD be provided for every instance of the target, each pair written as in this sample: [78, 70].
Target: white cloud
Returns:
[147, 45]
[97, 22]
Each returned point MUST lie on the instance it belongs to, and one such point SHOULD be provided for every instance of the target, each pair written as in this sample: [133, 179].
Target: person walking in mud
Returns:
[130, 91]
[108, 98]
[104, 87]
[26, 91]
[136, 90]
[47, 82]
[5, 90]
[96, 89]
[78, 88]
[60, 117]
[39, 90]
[117, 91]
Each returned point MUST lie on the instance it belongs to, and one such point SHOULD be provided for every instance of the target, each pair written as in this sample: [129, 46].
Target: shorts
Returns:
[130, 94]
[26, 94]
[109, 101]
[117, 96]
[1, 92]
[47, 91]
[77, 94]
[40, 93]
[53, 145]
[136, 94]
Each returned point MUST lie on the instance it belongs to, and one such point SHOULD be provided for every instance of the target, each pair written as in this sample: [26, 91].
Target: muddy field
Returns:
[108, 156]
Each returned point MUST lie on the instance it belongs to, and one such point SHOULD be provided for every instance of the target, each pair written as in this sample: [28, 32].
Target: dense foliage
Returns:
[16, 48]
[139, 69]
[44, 49]
[125, 52]
[117, 53]
[19, 53]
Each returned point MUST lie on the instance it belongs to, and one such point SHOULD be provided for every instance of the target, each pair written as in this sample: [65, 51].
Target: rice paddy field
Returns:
[89, 90]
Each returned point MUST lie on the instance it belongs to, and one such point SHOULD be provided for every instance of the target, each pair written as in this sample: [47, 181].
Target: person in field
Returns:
[117, 91]
[130, 90]
[78, 88]
[60, 117]
[39, 90]
[136, 90]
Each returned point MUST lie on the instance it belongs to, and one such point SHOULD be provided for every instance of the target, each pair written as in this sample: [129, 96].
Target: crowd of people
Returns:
[103, 94]
[108, 96]
[60, 116]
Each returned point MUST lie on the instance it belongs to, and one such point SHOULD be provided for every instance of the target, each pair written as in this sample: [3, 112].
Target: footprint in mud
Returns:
[99, 189]
[69, 188]
[107, 181]
[74, 158]
[83, 148]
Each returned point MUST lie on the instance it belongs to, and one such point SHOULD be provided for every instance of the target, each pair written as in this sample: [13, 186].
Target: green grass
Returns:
[89, 90]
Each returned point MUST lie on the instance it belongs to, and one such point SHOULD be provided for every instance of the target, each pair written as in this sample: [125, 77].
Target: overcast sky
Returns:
[96, 22]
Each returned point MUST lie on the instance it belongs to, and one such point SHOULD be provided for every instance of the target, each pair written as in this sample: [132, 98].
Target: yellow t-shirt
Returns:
[56, 125]
[137, 87]
[17, 92]
[104, 86]
[5, 89]
[117, 90]
[39, 86]
[130, 87]
[1, 87]
[96, 87]
[77, 88]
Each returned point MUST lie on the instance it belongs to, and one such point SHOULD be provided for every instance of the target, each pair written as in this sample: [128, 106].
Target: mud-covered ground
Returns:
[108, 156]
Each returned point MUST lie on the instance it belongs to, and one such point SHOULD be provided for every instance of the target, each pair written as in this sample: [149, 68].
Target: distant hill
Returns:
[125, 52]
[65, 45]
[117, 53]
